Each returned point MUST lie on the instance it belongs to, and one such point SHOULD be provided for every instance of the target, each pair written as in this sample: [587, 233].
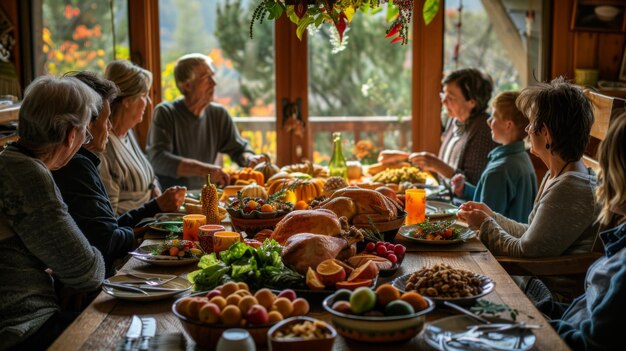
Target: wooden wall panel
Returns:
[578, 49]
[427, 74]
[10, 9]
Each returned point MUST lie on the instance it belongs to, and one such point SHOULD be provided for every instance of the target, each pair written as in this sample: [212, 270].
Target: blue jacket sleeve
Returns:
[603, 330]
[495, 191]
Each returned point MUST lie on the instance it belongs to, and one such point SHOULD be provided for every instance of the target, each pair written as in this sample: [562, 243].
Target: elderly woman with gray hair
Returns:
[37, 234]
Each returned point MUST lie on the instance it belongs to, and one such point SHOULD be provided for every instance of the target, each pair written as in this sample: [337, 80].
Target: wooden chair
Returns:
[605, 108]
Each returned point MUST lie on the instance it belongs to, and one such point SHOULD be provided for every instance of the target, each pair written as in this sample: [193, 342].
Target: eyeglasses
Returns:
[444, 96]
[88, 137]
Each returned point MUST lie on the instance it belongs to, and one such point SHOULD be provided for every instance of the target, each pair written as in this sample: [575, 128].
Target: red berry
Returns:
[399, 250]
[390, 246]
[391, 257]
[370, 247]
[381, 251]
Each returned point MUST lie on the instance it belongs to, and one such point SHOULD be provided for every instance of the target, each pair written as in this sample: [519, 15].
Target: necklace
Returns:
[562, 169]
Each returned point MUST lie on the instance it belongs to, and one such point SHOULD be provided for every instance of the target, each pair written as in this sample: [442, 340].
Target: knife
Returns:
[133, 333]
[147, 333]
[140, 289]
[153, 257]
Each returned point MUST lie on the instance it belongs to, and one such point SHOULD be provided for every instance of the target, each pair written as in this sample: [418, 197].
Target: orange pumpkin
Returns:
[250, 174]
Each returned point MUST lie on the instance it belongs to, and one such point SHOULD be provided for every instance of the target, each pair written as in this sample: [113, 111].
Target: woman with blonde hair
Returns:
[593, 320]
[127, 175]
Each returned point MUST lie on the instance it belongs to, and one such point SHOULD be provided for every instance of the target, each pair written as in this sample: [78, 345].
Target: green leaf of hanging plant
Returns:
[319, 19]
[431, 7]
[275, 11]
[302, 25]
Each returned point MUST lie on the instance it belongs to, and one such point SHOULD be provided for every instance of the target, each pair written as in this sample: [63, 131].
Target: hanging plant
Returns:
[305, 13]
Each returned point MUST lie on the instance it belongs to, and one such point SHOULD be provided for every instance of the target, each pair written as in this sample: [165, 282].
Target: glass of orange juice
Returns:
[223, 240]
[191, 226]
[415, 206]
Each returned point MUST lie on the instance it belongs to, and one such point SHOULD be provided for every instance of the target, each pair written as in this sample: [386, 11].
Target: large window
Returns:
[245, 67]
[79, 35]
[363, 89]
[500, 37]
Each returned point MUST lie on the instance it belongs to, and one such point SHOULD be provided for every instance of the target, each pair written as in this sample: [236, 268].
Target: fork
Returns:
[153, 281]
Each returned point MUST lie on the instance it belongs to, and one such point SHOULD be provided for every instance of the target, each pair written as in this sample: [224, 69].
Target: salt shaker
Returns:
[235, 340]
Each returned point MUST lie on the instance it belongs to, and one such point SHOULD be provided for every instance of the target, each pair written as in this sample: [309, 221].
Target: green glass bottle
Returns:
[337, 166]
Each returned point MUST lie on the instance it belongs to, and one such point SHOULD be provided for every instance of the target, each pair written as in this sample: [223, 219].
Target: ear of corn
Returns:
[209, 202]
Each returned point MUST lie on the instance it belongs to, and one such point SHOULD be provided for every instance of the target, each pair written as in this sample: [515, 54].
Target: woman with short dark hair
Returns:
[562, 220]
[466, 141]
[37, 234]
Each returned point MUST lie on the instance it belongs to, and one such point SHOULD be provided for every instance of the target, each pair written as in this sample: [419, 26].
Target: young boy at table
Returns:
[508, 184]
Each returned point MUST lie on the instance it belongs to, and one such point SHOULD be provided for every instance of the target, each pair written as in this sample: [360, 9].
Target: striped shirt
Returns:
[126, 173]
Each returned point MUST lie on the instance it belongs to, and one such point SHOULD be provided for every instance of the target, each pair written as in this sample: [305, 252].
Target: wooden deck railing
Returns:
[383, 131]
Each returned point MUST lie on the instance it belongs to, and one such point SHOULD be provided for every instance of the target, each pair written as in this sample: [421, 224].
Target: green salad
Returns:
[261, 267]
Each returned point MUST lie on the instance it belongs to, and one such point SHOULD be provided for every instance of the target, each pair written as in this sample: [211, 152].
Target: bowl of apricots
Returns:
[252, 214]
[378, 316]
[206, 315]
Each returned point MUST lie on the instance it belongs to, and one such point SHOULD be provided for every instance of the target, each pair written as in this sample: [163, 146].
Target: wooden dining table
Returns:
[103, 324]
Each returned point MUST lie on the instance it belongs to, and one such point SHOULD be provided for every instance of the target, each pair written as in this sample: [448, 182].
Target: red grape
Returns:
[371, 246]
[399, 250]
[392, 257]
[390, 246]
[381, 250]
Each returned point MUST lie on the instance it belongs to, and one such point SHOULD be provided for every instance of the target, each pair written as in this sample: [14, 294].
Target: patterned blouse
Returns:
[126, 173]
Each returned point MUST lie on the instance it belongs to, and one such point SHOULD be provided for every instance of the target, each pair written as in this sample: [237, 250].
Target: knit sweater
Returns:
[562, 221]
[37, 233]
[176, 133]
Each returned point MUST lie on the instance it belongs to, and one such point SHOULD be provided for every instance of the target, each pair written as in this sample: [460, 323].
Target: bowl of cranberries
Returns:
[392, 252]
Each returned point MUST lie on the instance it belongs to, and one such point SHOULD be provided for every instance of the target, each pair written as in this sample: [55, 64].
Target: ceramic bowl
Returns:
[377, 329]
[283, 344]
[606, 13]
[254, 225]
[207, 335]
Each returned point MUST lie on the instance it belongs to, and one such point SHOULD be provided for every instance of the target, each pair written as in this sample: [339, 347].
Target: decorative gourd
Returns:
[254, 190]
[306, 190]
[249, 173]
[267, 168]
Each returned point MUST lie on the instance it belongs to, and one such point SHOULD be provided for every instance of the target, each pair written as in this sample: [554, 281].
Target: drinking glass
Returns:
[191, 225]
[415, 206]
[223, 240]
[206, 234]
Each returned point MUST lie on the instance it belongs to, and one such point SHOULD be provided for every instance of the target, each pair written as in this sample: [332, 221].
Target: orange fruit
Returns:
[386, 293]
[233, 299]
[415, 300]
[301, 205]
[274, 317]
[247, 302]
[229, 288]
[265, 297]
[231, 315]
[219, 301]
[284, 306]
[300, 307]
[313, 280]
[330, 272]
[267, 208]
[243, 285]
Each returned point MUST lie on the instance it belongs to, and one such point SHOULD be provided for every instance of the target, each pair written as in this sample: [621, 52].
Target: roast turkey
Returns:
[305, 250]
[362, 204]
[319, 221]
